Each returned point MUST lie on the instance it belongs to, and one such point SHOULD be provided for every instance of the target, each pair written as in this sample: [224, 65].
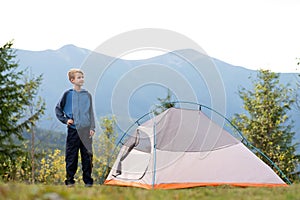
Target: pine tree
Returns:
[15, 99]
[165, 103]
[267, 125]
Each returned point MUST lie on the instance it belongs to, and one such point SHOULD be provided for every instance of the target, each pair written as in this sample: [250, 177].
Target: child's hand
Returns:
[70, 122]
[92, 133]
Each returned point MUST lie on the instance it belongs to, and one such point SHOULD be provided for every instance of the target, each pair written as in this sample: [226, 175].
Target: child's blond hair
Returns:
[72, 72]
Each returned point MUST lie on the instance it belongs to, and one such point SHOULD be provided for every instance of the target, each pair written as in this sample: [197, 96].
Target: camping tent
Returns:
[182, 148]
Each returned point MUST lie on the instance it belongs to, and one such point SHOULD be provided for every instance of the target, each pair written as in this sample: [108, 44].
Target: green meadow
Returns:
[59, 192]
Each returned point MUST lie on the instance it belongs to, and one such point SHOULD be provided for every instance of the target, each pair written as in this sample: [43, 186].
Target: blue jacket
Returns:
[77, 106]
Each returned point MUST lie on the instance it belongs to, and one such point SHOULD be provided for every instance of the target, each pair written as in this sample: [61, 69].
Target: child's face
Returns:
[78, 79]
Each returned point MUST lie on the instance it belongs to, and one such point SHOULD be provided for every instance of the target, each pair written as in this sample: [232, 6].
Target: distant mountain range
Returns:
[130, 88]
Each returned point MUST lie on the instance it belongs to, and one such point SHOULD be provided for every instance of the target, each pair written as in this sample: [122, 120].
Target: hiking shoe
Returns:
[70, 182]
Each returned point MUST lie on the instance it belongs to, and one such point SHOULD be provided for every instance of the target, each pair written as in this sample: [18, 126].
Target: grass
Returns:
[58, 192]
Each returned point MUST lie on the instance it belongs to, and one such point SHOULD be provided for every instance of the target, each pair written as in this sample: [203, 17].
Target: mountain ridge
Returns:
[54, 64]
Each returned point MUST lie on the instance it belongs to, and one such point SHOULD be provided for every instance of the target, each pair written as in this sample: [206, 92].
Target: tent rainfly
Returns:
[183, 148]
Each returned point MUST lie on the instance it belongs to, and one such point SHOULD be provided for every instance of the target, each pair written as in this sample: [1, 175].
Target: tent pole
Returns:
[154, 154]
[244, 141]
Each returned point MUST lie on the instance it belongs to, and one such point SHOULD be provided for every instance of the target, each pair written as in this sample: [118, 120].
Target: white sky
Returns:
[249, 33]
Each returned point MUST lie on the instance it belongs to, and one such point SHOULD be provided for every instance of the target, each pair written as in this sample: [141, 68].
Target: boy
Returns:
[76, 111]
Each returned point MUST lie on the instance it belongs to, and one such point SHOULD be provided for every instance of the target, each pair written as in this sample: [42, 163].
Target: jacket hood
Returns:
[81, 91]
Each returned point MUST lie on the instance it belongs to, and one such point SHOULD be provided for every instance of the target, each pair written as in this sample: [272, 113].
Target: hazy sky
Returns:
[250, 33]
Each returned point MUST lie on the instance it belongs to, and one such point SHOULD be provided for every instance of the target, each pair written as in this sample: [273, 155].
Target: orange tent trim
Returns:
[188, 185]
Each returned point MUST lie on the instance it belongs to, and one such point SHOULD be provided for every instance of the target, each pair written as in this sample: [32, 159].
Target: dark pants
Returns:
[79, 140]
